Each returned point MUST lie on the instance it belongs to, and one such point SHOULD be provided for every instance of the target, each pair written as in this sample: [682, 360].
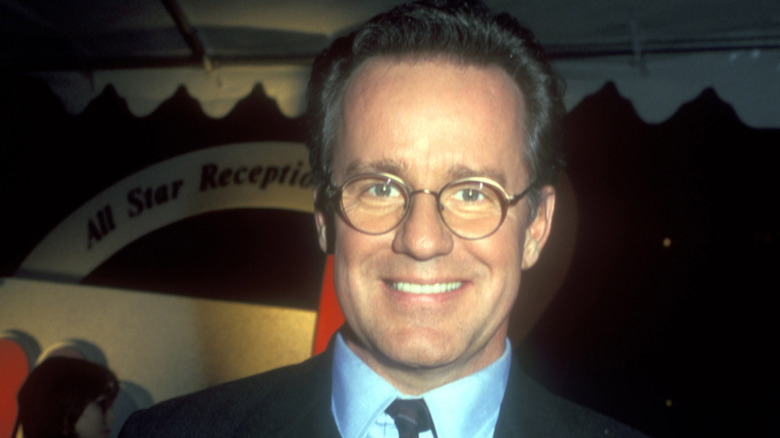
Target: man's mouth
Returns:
[416, 288]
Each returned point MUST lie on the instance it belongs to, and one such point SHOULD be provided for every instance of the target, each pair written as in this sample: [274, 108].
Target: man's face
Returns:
[429, 123]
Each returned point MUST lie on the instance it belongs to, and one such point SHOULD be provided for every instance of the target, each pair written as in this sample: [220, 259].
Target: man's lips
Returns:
[417, 288]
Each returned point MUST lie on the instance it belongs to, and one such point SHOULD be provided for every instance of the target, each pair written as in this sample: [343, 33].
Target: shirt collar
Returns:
[467, 407]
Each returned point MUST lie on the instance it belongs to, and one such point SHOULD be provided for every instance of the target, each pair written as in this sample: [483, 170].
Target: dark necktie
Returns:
[411, 417]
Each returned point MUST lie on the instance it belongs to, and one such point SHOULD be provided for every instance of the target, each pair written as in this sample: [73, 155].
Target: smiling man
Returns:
[427, 295]
[434, 148]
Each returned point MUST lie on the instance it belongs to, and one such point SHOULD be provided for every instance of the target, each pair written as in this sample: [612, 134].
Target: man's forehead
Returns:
[381, 64]
[390, 100]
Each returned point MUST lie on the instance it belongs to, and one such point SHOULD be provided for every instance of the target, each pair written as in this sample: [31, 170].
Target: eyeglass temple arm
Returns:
[514, 199]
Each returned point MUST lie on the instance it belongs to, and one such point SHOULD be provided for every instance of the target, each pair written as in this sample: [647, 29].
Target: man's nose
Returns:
[423, 234]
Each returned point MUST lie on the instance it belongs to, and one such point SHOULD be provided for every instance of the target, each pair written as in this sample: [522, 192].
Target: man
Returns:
[434, 138]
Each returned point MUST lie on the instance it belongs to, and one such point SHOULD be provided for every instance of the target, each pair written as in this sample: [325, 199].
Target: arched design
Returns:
[259, 175]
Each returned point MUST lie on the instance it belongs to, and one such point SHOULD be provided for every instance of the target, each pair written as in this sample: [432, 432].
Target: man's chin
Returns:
[421, 354]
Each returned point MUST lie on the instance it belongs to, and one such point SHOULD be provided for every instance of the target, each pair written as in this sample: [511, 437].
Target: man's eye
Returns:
[469, 195]
[383, 190]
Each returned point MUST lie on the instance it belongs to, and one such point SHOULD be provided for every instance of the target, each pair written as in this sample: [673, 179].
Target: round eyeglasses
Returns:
[472, 208]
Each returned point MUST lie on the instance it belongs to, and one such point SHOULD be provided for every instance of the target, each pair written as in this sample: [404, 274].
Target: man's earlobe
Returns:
[321, 221]
[322, 230]
[538, 230]
[530, 251]
[322, 237]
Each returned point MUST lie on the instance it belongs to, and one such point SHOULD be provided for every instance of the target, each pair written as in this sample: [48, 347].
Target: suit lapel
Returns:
[299, 406]
[528, 410]
[316, 423]
[316, 419]
[510, 416]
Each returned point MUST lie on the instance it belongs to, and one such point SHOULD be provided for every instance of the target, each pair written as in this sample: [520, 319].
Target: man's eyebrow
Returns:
[402, 171]
[384, 166]
[459, 172]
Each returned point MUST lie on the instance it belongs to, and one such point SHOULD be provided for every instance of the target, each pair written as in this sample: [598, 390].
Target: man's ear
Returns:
[538, 230]
[320, 219]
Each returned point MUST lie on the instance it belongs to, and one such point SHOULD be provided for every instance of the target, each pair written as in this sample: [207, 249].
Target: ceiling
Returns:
[90, 35]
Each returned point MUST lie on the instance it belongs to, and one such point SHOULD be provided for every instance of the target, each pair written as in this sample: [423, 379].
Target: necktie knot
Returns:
[411, 417]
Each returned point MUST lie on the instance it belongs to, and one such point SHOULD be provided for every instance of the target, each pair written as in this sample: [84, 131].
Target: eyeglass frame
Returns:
[335, 196]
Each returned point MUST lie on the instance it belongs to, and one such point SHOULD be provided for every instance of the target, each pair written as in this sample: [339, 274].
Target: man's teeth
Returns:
[414, 288]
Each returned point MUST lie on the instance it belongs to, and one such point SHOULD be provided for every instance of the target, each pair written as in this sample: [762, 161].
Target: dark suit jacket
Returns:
[294, 401]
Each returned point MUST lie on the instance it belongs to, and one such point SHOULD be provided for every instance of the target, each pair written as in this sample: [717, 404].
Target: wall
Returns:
[166, 344]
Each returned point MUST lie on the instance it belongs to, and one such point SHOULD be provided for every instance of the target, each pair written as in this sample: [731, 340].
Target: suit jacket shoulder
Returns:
[529, 410]
[286, 402]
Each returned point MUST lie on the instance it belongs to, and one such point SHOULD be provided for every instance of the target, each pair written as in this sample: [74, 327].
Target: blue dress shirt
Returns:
[465, 408]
